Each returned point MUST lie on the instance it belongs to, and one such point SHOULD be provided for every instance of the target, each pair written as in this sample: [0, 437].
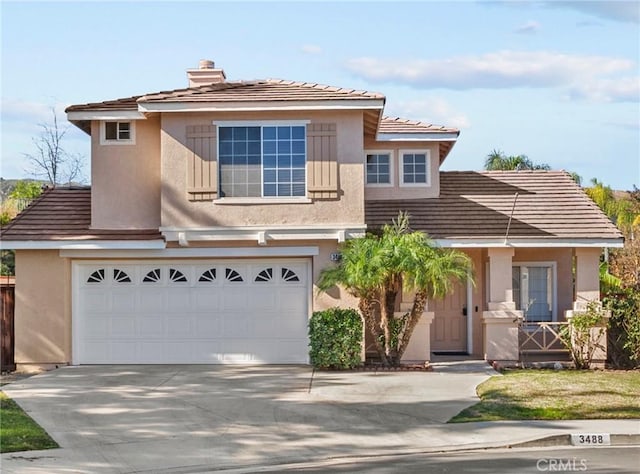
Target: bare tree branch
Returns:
[50, 160]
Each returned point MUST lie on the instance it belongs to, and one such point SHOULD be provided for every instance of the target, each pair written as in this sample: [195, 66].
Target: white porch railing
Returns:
[541, 338]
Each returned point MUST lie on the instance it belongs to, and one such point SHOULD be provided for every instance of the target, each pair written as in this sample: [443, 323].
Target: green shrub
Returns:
[624, 327]
[335, 337]
[583, 333]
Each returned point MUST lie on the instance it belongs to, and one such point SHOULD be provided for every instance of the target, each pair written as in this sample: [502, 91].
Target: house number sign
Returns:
[591, 439]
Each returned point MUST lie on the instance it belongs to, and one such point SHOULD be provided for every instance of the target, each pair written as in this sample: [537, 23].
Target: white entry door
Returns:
[213, 312]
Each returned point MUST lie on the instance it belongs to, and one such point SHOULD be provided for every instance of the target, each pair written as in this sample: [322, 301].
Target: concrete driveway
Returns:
[191, 418]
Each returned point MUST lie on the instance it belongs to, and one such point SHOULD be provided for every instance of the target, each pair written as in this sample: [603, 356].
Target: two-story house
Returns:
[213, 209]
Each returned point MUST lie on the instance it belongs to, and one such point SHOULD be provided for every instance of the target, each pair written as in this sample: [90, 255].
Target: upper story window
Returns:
[117, 133]
[379, 170]
[262, 160]
[415, 168]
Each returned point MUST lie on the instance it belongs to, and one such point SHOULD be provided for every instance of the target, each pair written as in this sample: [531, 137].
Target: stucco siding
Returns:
[397, 190]
[178, 211]
[42, 308]
[125, 179]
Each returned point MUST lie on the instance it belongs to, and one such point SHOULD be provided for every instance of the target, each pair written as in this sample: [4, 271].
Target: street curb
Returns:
[565, 440]
[298, 463]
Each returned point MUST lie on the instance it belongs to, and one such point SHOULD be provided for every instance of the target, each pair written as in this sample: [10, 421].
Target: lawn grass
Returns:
[18, 432]
[556, 395]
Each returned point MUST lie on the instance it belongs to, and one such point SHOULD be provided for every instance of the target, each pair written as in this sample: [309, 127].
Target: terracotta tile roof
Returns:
[399, 125]
[269, 90]
[550, 205]
[128, 103]
[65, 214]
[258, 91]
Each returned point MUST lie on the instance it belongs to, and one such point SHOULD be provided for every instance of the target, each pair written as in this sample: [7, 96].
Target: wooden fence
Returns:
[7, 339]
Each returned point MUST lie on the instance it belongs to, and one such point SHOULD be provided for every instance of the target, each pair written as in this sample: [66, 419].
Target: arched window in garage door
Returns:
[97, 276]
[232, 275]
[208, 276]
[289, 275]
[176, 275]
[152, 276]
[264, 276]
[120, 276]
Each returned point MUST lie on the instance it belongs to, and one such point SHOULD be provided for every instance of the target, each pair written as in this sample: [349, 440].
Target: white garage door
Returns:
[210, 312]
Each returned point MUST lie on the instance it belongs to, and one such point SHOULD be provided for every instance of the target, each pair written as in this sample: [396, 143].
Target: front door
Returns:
[449, 330]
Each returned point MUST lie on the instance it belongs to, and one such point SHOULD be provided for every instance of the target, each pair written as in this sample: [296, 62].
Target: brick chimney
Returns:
[205, 74]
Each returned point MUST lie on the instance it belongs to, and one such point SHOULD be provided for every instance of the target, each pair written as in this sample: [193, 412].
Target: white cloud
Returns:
[616, 10]
[528, 28]
[433, 110]
[626, 89]
[499, 70]
[21, 112]
[311, 49]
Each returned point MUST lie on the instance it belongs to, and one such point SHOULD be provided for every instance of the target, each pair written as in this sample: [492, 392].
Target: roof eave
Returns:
[184, 106]
[500, 242]
[421, 137]
[83, 244]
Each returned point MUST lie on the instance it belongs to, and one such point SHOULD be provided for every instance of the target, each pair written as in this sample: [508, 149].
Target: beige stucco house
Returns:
[213, 209]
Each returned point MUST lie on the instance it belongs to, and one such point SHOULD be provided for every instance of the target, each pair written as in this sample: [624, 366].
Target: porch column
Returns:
[502, 318]
[419, 348]
[588, 290]
[587, 277]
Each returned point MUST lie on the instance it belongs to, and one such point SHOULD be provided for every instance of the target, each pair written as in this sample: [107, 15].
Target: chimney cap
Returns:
[206, 64]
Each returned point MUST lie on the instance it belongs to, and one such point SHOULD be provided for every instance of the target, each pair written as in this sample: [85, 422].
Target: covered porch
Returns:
[512, 306]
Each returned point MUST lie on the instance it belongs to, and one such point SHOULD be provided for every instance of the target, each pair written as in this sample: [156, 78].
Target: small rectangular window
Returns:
[378, 168]
[415, 169]
[118, 132]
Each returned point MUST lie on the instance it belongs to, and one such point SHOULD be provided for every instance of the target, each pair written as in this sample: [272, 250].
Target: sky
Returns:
[558, 81]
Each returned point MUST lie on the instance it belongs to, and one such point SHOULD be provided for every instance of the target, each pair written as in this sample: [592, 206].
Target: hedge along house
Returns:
[213, 209]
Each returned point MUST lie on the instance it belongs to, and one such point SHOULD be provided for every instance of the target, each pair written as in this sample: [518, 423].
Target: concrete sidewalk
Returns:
[198, 418]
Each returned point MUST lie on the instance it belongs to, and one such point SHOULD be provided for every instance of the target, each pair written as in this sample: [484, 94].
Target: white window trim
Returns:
[132, 131]
[391, 168]
[263, 199]
[427, 154]
[554, 282]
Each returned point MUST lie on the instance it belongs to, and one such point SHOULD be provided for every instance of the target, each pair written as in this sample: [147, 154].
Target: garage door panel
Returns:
[123, 300]
[123, 327]
[151, 299]
[96, 327]
[209, 352]
[262, 298]
[150, 352]
[217, 311]
[179, 327]
[206, 299]
[96, 300]
[207, 326]
[290, 301]
[235, 326]
[178, 300]
[123, 351]
[237, 351]
[235, 298]
[289, 326]
[150, 326]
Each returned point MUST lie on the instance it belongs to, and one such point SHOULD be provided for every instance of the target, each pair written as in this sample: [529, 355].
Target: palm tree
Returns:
[497, 160]
[623, 212]
[378, 268]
